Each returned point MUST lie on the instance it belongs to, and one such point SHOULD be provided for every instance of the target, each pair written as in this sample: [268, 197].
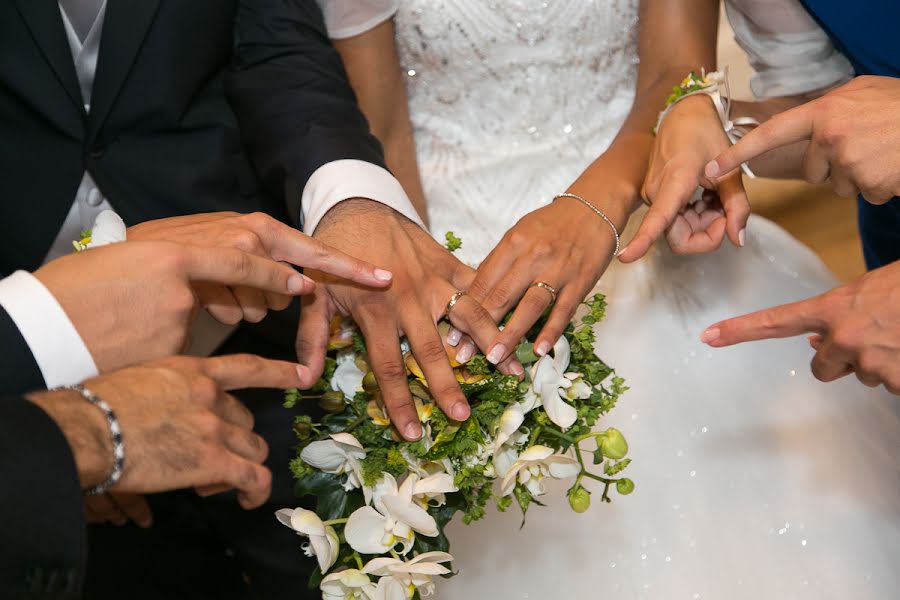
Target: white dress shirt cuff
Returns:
[340, 180]
[58, 349]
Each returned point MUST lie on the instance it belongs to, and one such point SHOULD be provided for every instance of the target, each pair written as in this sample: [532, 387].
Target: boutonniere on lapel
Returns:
[108, 228]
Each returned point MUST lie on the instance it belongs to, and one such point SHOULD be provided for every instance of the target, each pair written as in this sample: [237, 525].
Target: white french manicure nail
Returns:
[742, 237]
[496, 354]
[542, 349]
[453, 336]
[382, 275]
[465, 354]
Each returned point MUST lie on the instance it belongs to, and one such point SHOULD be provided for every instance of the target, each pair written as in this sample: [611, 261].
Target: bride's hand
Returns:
[565, 247]
[689, 137]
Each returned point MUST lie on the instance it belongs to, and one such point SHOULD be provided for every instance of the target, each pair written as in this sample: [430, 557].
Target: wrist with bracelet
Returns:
[715, 86]
[115, 432]
[599, 213]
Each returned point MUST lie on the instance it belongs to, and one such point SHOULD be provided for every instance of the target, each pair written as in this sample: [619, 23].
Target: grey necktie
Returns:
[82, 14]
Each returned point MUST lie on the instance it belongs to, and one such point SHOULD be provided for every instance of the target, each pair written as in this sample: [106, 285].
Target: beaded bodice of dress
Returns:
[510, 100]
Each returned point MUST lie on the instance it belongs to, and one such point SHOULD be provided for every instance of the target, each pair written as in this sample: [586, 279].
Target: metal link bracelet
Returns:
[116, 434]
[599, 212]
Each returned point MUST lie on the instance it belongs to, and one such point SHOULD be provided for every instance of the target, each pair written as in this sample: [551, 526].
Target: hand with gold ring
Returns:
[426, 286]
[551, 259]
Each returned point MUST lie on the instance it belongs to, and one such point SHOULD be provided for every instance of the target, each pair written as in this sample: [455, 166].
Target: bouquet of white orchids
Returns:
[382, 504]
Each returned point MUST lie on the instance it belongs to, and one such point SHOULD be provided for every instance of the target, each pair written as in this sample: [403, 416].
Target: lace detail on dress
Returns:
[510, 101]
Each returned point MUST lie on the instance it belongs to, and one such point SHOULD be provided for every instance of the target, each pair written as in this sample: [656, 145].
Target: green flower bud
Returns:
[579, 499]
[624, 486]
[303, 429]
[332, 402]
[370, 384]
[613, 444]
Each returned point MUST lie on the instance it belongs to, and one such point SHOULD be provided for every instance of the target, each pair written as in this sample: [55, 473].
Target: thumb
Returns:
[737, 207]
[313, 332]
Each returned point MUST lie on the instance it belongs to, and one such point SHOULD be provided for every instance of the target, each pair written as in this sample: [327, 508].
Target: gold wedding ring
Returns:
[453, 300]
[549, 288]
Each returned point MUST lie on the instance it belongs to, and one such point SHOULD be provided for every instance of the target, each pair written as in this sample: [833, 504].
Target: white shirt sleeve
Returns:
[58, 349]
[341, 180]
[788, 50]
[347, 18]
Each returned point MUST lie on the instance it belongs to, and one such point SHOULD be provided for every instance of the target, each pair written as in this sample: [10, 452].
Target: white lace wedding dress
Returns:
[753, 479]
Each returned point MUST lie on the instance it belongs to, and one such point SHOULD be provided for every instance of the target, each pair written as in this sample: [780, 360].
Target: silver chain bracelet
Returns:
[599, 212]
[116, 433]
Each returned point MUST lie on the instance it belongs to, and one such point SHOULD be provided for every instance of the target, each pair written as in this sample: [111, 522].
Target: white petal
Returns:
[365, 531]
[386, 486]
[321, 550]
[348, 439]
[307, 522]
[504, 459]
[348, 379]
[339, 583]
[510, 421]
[389, 588]
[434, 556]
[509, 480]
[412, 514]
[562, 467]
[558, 411]
[561, 354]
[381, 566]
[334, 549]
[284, 516]
[442, 483]
[535, 453]
[108, 228]
[325, 455]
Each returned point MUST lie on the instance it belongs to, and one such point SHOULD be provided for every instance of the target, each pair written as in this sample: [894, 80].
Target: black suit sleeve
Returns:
[18, 370]
[42, 530]
[291, 94]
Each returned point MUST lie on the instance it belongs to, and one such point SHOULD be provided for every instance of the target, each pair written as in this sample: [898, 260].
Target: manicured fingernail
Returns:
[710, 335]
[412, 432]
[622, 251]
[465, 353]
[517, 369]
[459, 411]
[303, 373]
[496, 354]
[542, 348]
[453, 336]
[382, 275]
[711, 169]
[742, 237]
[297, 282]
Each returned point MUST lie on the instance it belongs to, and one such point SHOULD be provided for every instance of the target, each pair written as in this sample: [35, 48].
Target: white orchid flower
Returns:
[323, 540]
[108, 228]
[348, 377]
[400, 579]
[433, 490]
[534, 465]
[506, 455]
[340, 455]
[579, 390]
[349, 584]
[394, 518]
[549, 384]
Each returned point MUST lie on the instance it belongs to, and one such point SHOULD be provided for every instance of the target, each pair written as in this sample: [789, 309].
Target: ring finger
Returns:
[536, 300]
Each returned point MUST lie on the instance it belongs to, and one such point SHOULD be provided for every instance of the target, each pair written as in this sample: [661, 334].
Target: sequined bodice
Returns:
[510, 99]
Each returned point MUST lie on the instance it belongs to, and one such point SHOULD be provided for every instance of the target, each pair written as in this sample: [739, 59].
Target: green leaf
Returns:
[331, 499]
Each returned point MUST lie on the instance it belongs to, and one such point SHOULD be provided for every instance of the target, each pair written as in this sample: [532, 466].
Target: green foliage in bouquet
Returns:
[382, 503]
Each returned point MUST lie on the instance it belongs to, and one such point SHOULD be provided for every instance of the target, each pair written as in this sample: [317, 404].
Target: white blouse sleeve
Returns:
[347, 18]
[786, 47]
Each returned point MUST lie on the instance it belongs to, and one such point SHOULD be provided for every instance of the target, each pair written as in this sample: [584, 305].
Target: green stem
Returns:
[598, 478]
[358, 559]
[359, 421]
[560, 435]
[336, 521]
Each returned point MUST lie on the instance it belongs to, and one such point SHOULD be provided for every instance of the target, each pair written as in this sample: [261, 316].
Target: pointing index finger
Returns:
[784, 128]
[782, 321]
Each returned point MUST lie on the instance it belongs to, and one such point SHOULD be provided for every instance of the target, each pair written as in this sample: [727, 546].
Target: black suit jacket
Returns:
[43, 541]
[18, 370]
[161, 138]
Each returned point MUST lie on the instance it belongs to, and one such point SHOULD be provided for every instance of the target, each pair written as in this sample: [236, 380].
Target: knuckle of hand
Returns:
[392, 370]
[204, 389]
[431, 351]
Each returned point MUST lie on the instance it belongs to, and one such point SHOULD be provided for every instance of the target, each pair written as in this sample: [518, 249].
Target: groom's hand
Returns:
[856, 327]
[262, 235]
[426, 275]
